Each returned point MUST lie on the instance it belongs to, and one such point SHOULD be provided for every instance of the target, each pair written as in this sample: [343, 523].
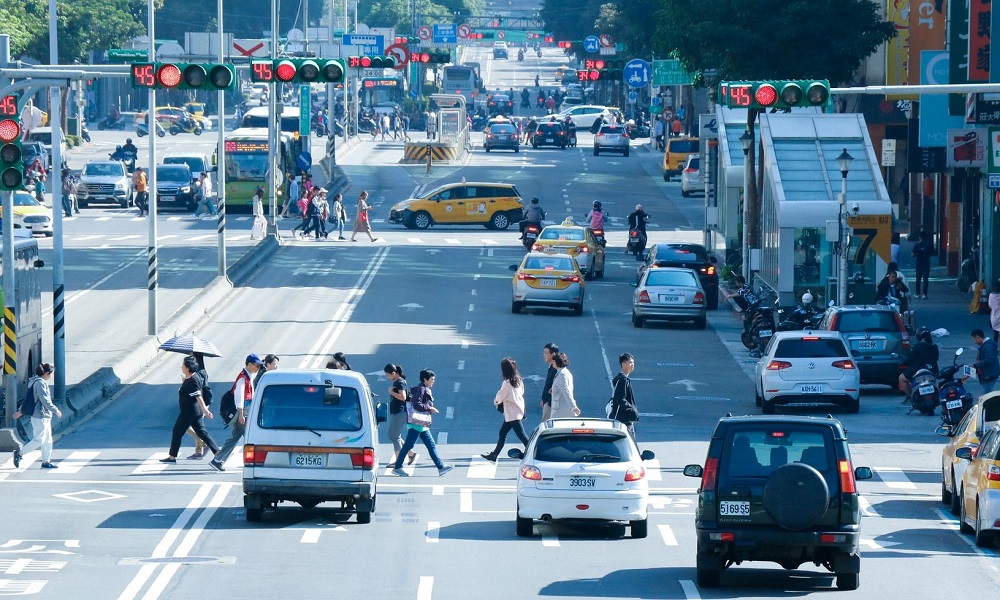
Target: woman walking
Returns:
[361, 222]
[192, 411]
[206, 395]
[397, 409]
[511, 399]
[563, 402]
[419, 415]
[41, 418]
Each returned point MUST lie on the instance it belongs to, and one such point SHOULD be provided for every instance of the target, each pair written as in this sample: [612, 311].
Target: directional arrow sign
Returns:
[687, 383]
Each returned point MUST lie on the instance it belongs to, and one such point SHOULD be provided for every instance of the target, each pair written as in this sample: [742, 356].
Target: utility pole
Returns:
[55, 178]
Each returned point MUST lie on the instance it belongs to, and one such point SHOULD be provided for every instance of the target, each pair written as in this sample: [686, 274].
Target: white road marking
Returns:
[550, 541]
[472, 307]
[465, 500]
[457, 386]
[475, 277]
[442, 438]
[432, 531]
[415, 240]
[667, 534]
[84, 238]
[866, 507]
[151, 465]
[425, 587]
[203, 237]
[122, 238]
[310, 536]
[26, 461]
[465, 344]
[449, 412]
[75, 461]
[690, 589]
[480, 468]
[468, 325]
[461, 365]
[166, 237]
[490, 242]
[895, 478]
[103, 219]
[452, 241]
[437, 490]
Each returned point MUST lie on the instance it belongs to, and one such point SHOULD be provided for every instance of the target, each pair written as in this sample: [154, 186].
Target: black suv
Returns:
[778, 489]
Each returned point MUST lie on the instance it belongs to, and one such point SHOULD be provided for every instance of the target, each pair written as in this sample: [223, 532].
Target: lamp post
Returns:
[745, 141]
[844, 161]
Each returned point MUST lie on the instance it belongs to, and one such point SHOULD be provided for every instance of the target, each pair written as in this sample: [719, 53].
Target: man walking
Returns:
[141, 195]
[243, 394]
[922, 253]
[987, 365]
[549, 353]
[623, 408]
[207, 197]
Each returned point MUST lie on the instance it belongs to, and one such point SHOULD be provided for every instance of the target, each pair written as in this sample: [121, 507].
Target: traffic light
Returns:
[407, 40]
[430, 58]
[184, 76]
[763, 95]
[588, 75]
[611, 70]
[372, 62]
[11, 167]
[297, 70]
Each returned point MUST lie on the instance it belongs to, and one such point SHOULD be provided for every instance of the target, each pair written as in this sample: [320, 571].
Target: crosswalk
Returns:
[80, 460]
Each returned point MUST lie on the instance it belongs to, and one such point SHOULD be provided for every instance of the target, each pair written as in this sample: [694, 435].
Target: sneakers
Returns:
[445, 469]
[48, 465]
[216, 465]
[168, 460]
[17, 459]
[341, 238]
[489, 457]
[400, 473]
[412, 458]
[196, 456]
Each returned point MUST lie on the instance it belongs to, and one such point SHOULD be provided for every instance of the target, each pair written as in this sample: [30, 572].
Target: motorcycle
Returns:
[142, 129]
[924, 391]
[338, 128]
[525, 102]
[541, 102]
[636, 243]
[186, 126]
[85, 134]
[539, 52]
[126, 156]
[638, 130]
[112, 123]
[955, 399]
[906, 316]
[803, 317]
[762, 327]
[520, 56]
[531, 231]
[599, 236]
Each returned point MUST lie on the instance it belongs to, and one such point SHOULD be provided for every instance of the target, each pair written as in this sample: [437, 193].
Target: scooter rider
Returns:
[570, 130]
[533, 215]
[129, 147]
[596, 216]
[923, 354]
[637, 221]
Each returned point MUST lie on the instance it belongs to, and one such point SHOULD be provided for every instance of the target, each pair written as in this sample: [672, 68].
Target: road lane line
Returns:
[75, 461]
[442, 438]
[489, 242]
[457, 386]
[550, 541]
[465, 344]
[433, 527]
[122, 238]
[461, 365]
[84, 238]
[425, 587]
[310, 536]
[667, 534]
[465, 500]
[472, 307]
[203, 237]
[452, 241]
[480, 468]
[690, 589]
[449, 413]
[468, 325]
[894, 477]
[415, 240]
[103, 219]
[437, 490]
[866, 508]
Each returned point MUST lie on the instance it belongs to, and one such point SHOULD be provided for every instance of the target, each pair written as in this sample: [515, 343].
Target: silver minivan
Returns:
[312, 437]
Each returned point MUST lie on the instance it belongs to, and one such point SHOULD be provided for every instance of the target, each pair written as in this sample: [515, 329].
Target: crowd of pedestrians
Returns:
[320, 214]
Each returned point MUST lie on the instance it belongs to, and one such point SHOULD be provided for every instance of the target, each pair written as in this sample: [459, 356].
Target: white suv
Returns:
[312, 437]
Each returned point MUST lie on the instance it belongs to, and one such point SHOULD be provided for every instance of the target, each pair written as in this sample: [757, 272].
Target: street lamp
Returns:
[746, 140]
[844, 161]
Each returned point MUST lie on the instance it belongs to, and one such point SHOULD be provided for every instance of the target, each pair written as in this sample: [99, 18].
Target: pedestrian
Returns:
[339, 215]
[361, 222]
[894, 247]
[398, 395]
[341, 358]
[385, 126]
[206, 395]
[676, 127]
[41, 418]
[419, 413]
[206, 197]
[292, 197]
[563, 402]
[270, 364]
[510, 402]
[548, 353]
[317, 207]
[141, 195]
[406, 127]
[37, 169]
[994, 302]
[308, 183]
[623, 408]
[431, 125]
[922, 253]
[243, 394]
[192, 411]
[258, 213]
[69, 189]
[303, 205]
[658, 129]
[987, 365]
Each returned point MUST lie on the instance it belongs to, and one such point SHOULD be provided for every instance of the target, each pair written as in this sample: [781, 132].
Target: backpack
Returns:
[227, 406]
[27, 406]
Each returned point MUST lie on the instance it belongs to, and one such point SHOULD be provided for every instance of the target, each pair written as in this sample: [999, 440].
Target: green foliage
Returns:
[397, 13]
[571, 19]
[771, 39]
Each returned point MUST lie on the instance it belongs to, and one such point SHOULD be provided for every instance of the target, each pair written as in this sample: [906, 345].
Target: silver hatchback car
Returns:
[611, 138]
[669, 294]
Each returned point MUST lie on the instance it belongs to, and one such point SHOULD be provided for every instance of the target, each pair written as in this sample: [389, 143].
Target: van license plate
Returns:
[925, 389]
[815, 388]
[731, 508]
[953, 404]
[582, 482]
[307, 460]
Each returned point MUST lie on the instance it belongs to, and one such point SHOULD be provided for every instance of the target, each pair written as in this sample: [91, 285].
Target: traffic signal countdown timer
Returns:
[774, 94]
[297, 70]
[11, 168]
[600, 70]
[183, 76]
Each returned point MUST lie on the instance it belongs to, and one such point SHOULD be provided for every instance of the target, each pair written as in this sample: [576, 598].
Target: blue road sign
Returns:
[631, 97]
[368, 45]
[445, 33]
[637, 73]
[592, 43]
[304, 161]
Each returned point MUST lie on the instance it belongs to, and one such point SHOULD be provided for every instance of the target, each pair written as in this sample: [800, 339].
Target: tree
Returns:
[570, 19]
[631, 23]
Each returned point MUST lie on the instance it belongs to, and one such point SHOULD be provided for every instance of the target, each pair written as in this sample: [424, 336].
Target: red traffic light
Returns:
[565, 45]
[169, 76]
[10, 130]
[366, 62]
[285, 71]
[593, 74]
[766, 95]
[549, 39]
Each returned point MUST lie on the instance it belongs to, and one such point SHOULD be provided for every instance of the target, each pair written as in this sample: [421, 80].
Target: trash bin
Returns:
[73, 126]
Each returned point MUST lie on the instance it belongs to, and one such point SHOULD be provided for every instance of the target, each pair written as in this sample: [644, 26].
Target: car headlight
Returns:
[120, 186]
[186, 189]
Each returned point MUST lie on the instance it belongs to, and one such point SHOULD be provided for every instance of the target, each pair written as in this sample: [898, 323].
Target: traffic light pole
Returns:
[274, 123]
[9, 302]
[151, 248]
[220, 162]
[55, 180]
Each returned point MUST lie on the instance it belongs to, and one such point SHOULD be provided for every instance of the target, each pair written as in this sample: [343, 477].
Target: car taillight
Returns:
[777, 365]
[699, 298]
[584, 249]
[992, 473]
[525, 277]
[364, 459]
[709, 270]
[635, 474]
[253, 456]
[844, 364]
[711, 474]
[643, 297]
[530, 472]
[537, 247]
[846, 477]
[570, 278]
[600, 135]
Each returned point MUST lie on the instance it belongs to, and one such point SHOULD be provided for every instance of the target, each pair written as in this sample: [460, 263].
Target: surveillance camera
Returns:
[855, 208]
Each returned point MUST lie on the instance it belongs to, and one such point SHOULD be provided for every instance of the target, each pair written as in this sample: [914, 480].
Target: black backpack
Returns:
[227, 405]
[27, 406]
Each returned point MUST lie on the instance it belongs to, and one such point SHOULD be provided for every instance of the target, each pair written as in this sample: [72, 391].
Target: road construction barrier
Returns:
[416, 152]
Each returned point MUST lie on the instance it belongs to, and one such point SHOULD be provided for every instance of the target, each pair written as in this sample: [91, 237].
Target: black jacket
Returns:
[623, 406]
[547, 389]
[921, 355]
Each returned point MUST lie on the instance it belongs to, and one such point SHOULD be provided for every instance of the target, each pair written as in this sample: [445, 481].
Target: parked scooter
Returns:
[924, 393]
[85, 134]
[805, 315]
[955, 399]
[142, 129]
[110, 122]
[762, 327]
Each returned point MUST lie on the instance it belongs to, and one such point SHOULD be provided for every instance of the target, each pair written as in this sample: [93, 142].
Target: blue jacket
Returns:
[987, 365]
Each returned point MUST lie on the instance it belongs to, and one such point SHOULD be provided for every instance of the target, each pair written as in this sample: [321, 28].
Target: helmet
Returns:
[535, 200]
[807, 298]
[597, 204]
[924, 334]
[128, 140]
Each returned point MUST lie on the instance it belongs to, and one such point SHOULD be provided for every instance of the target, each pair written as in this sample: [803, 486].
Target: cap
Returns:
[253, 358]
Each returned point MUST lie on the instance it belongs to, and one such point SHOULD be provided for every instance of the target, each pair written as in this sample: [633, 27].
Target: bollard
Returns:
[428, 170]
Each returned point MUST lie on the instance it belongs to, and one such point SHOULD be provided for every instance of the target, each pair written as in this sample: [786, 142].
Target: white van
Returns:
[312, 437]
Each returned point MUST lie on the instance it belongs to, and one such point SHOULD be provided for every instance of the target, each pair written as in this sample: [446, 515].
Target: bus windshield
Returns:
[246, 167]
[257, 118]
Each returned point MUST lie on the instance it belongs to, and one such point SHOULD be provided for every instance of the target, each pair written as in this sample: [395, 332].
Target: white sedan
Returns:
[582, 470]
[584, 115]
[807, 367]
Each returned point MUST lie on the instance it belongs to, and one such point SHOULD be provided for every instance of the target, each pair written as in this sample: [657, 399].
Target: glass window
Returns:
[103, 170]
[572, 235]
[576, 448]
[757, 453]
[245, 167]
[867, 321]
[814, 263]
[660, 277]
[821, 348]
[310, 407]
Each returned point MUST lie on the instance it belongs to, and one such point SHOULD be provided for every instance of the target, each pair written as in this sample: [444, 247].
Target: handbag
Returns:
[500, 408]
[416, 417]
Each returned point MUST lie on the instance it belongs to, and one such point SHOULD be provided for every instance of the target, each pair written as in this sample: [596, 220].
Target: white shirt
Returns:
[206, 187]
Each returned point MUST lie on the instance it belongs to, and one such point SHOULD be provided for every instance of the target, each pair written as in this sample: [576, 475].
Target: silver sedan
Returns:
[668, 294]
[611, 138]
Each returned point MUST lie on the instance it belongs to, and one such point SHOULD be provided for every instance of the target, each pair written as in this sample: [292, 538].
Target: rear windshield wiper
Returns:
[600, 457]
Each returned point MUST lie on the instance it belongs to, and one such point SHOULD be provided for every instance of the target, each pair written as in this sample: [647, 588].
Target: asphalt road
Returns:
[112, 522]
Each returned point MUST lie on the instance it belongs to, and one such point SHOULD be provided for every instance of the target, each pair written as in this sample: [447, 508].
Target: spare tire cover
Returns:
[796, 496]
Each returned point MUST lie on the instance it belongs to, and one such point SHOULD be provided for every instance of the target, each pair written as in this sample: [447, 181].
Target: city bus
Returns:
[246, 164]
[27, 314]
[385, 92]
[257, 118]
[460, 79]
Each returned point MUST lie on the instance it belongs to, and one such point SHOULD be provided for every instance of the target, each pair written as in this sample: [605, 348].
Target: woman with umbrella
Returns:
[206, 395]
[192, 411]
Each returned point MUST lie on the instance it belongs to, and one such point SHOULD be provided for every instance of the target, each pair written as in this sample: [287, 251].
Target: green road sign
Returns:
[669, 72]
[129, 56]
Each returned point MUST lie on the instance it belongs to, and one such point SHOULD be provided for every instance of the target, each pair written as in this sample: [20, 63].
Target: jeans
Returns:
[923, 274]
[67, 204]
[988, 386]
[397, 425]
[208, 203]
[507, 427]
[411, 439]
[41, 429]
[234, 438]
[340, 228]
[181, 425]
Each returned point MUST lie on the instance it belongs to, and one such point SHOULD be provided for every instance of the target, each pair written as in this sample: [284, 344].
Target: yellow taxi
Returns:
[493, 205]
[966, 434]
[676, 154]
[577, 241]
[30, 215]
[173, 114]
[549, 279]
[980, 490]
